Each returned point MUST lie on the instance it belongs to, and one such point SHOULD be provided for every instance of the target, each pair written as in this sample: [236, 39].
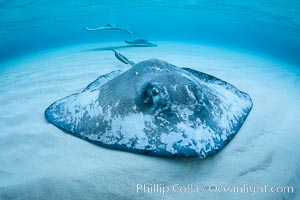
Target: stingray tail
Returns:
[122, 58]
[131, 63]
[126, 41]
[87, 29]
[127, 31]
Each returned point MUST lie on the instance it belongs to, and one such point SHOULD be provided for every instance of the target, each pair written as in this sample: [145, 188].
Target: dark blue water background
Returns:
[267, 27]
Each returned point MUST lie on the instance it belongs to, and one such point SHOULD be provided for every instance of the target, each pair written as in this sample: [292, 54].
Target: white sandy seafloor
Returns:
[39, 161]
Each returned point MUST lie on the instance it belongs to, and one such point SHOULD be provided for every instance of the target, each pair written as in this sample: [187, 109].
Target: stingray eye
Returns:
[154, 92]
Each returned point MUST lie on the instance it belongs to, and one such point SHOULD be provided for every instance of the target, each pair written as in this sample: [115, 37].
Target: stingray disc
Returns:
[155, 108]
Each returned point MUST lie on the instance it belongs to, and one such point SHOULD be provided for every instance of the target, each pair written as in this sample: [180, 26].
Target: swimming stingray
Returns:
[141, 42]
[108, 27]
[155, 108]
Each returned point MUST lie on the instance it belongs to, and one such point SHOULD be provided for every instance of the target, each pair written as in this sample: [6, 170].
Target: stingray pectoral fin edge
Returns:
[155, 108]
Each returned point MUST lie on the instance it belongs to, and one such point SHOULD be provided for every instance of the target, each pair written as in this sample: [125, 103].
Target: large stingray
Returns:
[155, 108]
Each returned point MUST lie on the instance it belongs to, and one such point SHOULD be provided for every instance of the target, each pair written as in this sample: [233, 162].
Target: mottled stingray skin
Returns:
[155, 108]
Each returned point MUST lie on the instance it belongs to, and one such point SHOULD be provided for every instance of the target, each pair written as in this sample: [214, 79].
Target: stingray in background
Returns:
[108, 27]
[155, 108]
[141, 42]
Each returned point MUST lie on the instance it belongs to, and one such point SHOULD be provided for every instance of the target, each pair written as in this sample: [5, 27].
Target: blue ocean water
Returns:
[268, 27]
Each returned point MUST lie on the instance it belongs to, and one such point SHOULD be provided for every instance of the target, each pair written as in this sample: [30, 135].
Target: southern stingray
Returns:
[155, 108]
[108, 27]
[141, 42]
